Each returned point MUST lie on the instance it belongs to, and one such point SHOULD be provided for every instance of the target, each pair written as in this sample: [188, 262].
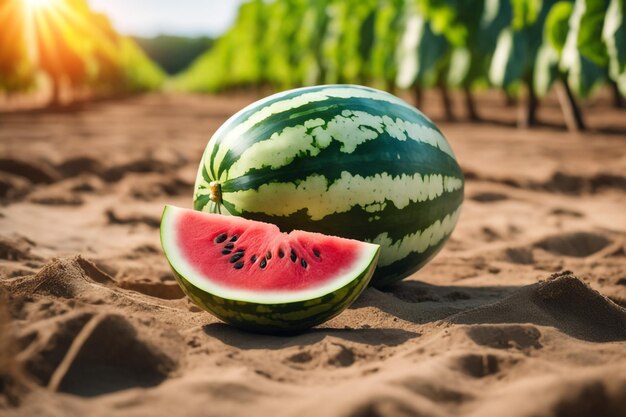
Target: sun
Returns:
[40, 4]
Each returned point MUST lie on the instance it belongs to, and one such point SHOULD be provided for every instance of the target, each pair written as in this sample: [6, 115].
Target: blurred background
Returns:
[56, 52]
[106, 107]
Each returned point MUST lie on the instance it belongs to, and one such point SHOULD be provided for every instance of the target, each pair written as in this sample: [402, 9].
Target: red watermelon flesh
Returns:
[249, 260]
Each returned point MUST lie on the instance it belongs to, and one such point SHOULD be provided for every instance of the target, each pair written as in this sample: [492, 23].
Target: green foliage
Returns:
[518, 44]
[387, 26]
[17, 71]
[507, 65]
[581, 72]
[555, 34]
[140, 73]
[589, 40]
[308, 43]
[418, 43]
[614, 36]
[174, 53]
[278, 65]
[525, 13]
[422, 55]
[557, 25]
[546, 69]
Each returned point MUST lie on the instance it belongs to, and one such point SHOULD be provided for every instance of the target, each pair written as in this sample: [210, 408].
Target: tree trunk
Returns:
[470, 105]
[55, 98]
[571, 112]
[419, 96]
[527, 116]
[618, 100]
[447, 103]
[509, 100]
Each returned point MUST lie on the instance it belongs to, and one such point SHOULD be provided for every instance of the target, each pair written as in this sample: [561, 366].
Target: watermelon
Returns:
[255, 277]
[341, 160]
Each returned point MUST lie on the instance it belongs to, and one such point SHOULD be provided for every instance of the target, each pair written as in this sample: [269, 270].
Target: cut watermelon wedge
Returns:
[253, 276]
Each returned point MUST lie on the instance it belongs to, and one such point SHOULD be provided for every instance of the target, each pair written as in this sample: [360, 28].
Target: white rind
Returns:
[176, 259]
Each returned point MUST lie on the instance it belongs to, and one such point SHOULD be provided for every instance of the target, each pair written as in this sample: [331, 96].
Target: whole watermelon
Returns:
[343, 160]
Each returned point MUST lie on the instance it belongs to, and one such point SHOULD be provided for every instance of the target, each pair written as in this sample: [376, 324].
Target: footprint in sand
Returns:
[13, 187]
[478, 365]
[489, 197]
[334, 354]
[132, 219]
[411, 292]
[93, 354]
[340, 355]
[505, 336]
[39, 173]
[561, 211]
[577, 244]
[521, 256]
[165, 291]
[80, 165]
[301, 357]
[16, 248]
[143, 166]
[151, 189]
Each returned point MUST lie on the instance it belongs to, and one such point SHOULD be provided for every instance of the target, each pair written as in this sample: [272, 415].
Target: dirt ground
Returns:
[92, 322]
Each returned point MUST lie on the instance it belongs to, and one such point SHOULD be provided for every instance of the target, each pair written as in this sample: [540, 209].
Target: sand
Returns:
[522, 314]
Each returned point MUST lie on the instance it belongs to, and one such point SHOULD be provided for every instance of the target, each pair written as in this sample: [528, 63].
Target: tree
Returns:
[16, 66]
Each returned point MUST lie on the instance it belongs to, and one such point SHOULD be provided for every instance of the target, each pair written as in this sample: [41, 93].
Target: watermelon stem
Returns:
[216, 192]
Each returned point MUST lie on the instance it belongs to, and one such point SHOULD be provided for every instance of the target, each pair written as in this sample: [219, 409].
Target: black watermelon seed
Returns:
[226, 252]
[239, 265]
[303, 263]
[281, 253]
[263, 263]
[293, 256]
[316, 253]
[220, 238]
[253, 259]
[234, 238]
[229, 246]
[269, 255]
[235, 258]
[240, 250]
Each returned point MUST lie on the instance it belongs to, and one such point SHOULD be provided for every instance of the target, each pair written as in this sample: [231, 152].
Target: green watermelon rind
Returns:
[279, 317]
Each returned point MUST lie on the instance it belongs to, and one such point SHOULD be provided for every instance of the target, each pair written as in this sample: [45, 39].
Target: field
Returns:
[522, 314]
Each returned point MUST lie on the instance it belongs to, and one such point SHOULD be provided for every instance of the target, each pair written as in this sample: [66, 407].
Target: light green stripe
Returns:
[350, 129]
[418, 242]
[293, 103]
[320, 200]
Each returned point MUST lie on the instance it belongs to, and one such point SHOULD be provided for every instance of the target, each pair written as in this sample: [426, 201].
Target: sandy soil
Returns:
[92, 322]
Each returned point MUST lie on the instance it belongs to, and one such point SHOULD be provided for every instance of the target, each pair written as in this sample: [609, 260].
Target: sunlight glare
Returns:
[38, 4]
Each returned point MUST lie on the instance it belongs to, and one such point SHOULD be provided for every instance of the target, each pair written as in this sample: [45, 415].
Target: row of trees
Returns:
[525, 47]
[73, 48]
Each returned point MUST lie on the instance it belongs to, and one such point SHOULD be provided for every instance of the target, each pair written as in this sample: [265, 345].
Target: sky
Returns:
[176, 17]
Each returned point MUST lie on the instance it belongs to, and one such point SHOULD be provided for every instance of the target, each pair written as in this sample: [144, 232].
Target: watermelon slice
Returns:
[253, 276]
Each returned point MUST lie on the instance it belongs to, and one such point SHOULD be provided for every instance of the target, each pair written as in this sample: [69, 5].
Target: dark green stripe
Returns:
[389, 274]
[201, 201]
[229, 207]
[397, 223]
[383, 155]
[325, 110]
